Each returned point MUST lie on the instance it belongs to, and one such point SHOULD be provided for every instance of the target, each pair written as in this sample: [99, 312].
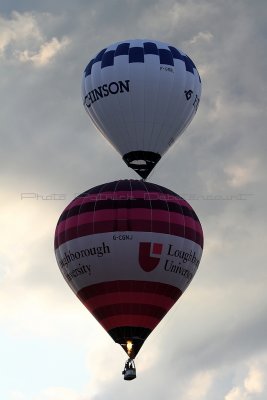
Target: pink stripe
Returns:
[193, 224]
[129, 215]
[127, 195]
[136, 226]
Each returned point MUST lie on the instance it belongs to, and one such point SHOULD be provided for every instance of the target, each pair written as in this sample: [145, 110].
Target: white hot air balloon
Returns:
[141, 95]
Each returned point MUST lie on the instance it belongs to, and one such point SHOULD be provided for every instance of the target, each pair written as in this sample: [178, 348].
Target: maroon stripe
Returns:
[128, 297]
[141, 321]
[129, 286]
[137, 226]
[102, 313]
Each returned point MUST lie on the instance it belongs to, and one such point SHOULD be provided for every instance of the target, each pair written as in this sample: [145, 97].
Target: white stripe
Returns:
[113, 256]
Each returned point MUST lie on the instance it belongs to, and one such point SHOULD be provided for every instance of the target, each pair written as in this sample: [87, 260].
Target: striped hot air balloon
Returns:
[128, 249]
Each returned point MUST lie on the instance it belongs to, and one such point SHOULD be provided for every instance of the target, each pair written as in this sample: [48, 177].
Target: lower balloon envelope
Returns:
[128, 249]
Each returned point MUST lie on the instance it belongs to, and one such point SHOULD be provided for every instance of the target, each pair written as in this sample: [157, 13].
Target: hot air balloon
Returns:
[128, 249]
[141, 95]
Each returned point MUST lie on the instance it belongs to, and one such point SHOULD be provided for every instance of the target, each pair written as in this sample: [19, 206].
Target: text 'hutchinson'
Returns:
[105, 90]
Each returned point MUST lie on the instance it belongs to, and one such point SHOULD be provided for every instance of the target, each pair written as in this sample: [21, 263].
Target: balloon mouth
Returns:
[142, 162]
[129, 347]
[130, 338]
[132, 346]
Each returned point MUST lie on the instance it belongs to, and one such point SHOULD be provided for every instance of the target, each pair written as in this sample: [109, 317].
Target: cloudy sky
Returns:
[213, 344]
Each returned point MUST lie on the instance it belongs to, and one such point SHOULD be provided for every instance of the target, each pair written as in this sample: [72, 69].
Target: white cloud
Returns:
[47, 52]
[242, 174]
[28, 265]
[202, 37]
[215, 328]
[199, 386]
[59, 393]
[17, 396]
[19, 29]
[254, 383]
[22, 38]
[236, 394]
[52, 393]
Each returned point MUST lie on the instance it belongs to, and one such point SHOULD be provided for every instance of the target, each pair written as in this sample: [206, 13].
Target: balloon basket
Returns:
[129, 371]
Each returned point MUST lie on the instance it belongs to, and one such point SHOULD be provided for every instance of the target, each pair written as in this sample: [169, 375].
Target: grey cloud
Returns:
[49, 145]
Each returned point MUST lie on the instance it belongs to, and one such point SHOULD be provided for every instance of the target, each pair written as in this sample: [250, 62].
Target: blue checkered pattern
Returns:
[137, 55]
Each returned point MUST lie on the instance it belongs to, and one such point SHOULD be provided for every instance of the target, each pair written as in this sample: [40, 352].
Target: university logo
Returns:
[149, 255]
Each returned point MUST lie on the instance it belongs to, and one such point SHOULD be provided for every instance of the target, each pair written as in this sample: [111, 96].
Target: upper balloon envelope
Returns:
[141, 95]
